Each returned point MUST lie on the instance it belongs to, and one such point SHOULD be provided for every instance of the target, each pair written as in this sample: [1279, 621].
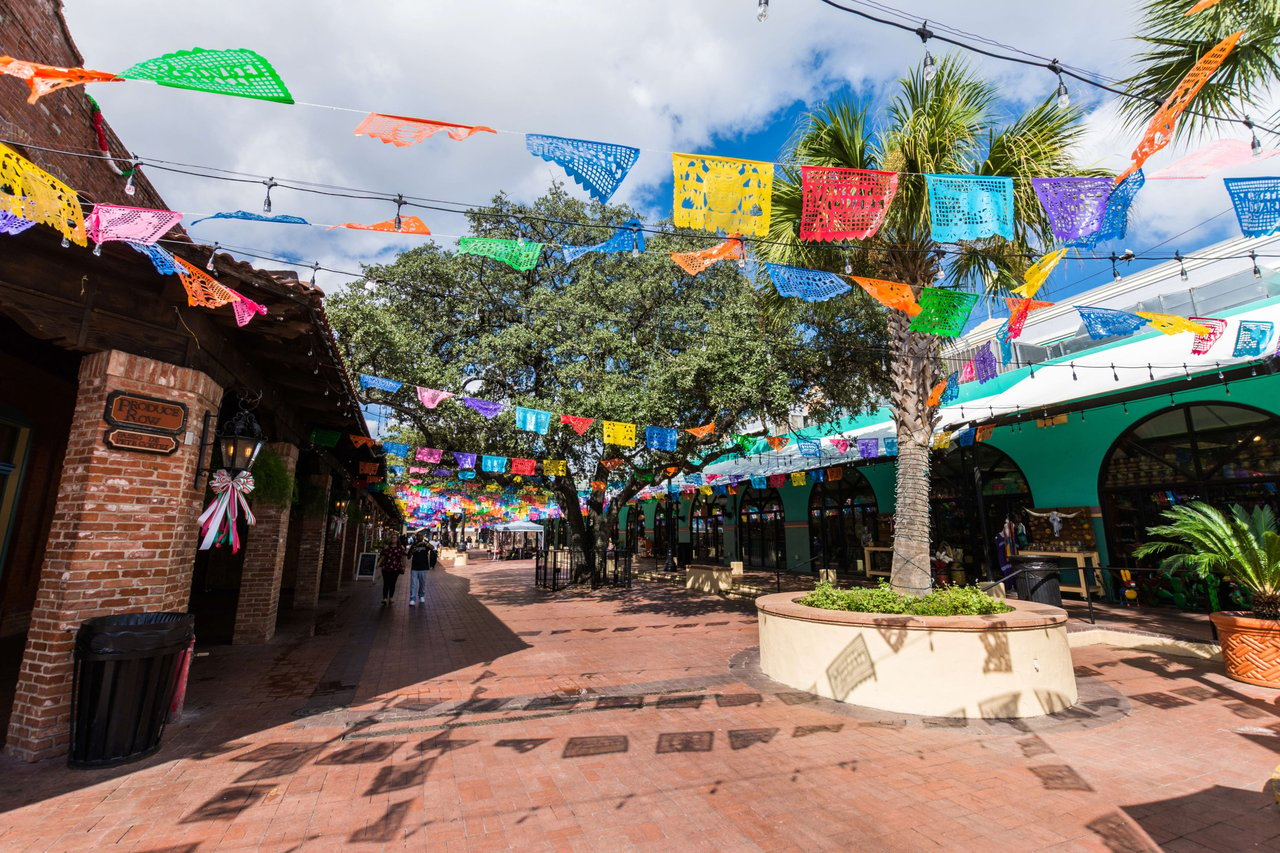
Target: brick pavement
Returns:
[503, 718]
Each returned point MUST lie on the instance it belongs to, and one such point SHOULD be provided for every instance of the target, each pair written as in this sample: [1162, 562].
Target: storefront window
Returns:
[706, 528]
[842, 521]
[968, 520]
[760, 529]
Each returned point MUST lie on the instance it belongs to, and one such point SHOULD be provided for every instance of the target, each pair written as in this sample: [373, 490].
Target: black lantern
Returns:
[240, 439]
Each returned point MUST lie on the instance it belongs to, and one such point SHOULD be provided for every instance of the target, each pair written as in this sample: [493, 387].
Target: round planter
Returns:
[1250, 647]
[1010, 665]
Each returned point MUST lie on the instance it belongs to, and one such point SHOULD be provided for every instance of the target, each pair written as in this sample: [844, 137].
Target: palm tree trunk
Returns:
[913, 369]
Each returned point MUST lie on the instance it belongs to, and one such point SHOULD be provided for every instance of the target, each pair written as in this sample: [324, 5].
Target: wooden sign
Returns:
[136, 412]
[140, 442]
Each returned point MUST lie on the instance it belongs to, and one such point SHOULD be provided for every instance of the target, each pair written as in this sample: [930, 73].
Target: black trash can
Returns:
[1038, 581]
[126, 671]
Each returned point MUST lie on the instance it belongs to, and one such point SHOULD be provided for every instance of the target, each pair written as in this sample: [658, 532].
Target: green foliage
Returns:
[312, 499]
[1244, 546]
[1172, 44]
[948, 601]
[272, 482]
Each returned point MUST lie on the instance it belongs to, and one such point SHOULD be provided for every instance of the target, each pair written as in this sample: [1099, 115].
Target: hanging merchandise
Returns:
[1252, 338]
[533, 420]
[660, 438]
[1217, 157]
[43, 79]
[493, 464]
[283, 219]
[517, 254]
[809, 447]
[619, 433]
[485, 408]
[984, 363]
[1257, 204]
[695, 262]
[970, 207]
[952, 392]
[598, 167]
[325, 437]
[245, 309]
[396, 448]
[399, 225]
[1018, 311]
[165, 263]
[1107, 323]
[1160, 131]
[890, 294]
[702, 431]
[523, 467]
[809, 285]
[130, 224]
[869, 448]
[579, 425]
[1203, 343]
[943, 312]
[238, 72]
[431, 398]
[202, 290]
[219, 523]
[841, 445]
[1036, 274]
[1075, 207]
[722, 194]
[555, 468]
[403, 131]
[429, 454]
[777, 442]
[28, 191]
[844, 204]
[1172, 324]
[12, 224]
[835, 475]
[798, 478]
[628, 238]
[465, 461]
[389, 385]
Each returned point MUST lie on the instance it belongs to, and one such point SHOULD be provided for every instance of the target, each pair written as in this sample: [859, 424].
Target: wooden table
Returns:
[866, 557]
[1080, 568]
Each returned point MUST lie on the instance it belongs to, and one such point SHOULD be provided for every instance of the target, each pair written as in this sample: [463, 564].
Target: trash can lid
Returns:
[128, 633]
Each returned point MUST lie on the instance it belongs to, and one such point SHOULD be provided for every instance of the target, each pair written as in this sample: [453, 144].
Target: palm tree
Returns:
[1244, 546]
[948, 124]
[1173, 42]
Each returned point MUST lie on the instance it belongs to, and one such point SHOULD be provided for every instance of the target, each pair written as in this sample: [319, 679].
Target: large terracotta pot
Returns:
[1250, 647]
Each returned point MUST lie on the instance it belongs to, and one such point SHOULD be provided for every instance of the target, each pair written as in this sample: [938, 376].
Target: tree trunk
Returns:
[914, 370]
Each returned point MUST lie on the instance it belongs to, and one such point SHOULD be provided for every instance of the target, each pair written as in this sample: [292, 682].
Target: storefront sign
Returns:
[145, 413]
[140, 442]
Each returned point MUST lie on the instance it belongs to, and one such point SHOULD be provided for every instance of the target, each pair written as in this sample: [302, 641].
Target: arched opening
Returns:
[974, 490]
[1220, 453]
[842, 521]
[635, 528]
[761, 533]
[706, 528]
[665, 520]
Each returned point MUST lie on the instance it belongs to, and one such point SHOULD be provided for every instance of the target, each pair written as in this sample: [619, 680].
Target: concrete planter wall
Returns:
[1015, 664]
[1250, 647]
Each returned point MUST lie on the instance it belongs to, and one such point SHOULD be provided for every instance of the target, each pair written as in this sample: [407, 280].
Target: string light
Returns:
[1255, 146]
[266, 202]
[400, 203]
[1182, 268]
[1064, 97]
[762, 11]
[1115, 273]
[1253, 256]
[212, 252]
[930, 68]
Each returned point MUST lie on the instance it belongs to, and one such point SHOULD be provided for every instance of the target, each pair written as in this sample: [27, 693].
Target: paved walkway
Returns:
[502, 718]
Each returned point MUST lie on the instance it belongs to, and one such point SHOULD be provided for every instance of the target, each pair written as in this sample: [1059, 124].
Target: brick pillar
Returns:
[123, 537]
[264, 564]
[334, 546]
[352, 546]
[314, 521]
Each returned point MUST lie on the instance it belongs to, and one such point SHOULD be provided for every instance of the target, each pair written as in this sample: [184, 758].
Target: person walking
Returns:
[434, 556]
[419, 563]
[391, 562]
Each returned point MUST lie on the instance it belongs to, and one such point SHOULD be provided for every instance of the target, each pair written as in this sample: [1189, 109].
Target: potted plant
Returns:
[1244, 547]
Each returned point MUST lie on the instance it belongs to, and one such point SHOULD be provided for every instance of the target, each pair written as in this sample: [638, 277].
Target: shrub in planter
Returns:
[949, 601]
[1244, 547]
[272, 482]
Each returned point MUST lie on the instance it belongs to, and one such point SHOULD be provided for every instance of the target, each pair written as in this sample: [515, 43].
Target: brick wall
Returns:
[259, 600]
[123, 537]
[313, 524]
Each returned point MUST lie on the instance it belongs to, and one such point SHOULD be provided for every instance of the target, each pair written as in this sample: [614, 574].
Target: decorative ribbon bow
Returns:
[225, 510]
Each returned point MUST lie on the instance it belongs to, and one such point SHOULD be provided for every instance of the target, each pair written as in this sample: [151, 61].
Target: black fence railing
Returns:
[557, 568]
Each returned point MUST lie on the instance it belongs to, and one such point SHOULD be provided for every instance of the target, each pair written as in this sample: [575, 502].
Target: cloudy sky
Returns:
[661, 75]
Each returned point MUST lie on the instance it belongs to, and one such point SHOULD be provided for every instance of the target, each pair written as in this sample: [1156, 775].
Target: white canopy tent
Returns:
[508, 533]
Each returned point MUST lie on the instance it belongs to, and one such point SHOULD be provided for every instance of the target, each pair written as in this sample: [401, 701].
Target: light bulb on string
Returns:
[266, 201]
[1182, 269]
[1064, 97]
[129, 188]
[65, 242]
[315, 268]
[1255, 145]
[399, 204]
[97, 250]
[930, 67]
[1115, 273]
[1253, 256]
[212, 253]
[762, 11]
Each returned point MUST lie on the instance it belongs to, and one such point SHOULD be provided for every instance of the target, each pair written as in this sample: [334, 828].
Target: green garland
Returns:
[273, 484]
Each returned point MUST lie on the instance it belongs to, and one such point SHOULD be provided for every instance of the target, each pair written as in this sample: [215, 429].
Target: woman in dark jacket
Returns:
[391, 561]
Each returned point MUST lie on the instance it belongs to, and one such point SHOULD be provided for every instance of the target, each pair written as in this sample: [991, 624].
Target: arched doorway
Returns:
[635, 527]
[1220, 453]
[706, 528]
[967, 518]
[664, 527]
[842, 521]
[761, 534]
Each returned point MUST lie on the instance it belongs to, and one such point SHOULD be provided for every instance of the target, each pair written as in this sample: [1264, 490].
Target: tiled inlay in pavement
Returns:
[499, 717]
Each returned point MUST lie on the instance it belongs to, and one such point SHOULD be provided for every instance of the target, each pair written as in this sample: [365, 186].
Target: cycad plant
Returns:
[1243, 546]
[953, 123]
